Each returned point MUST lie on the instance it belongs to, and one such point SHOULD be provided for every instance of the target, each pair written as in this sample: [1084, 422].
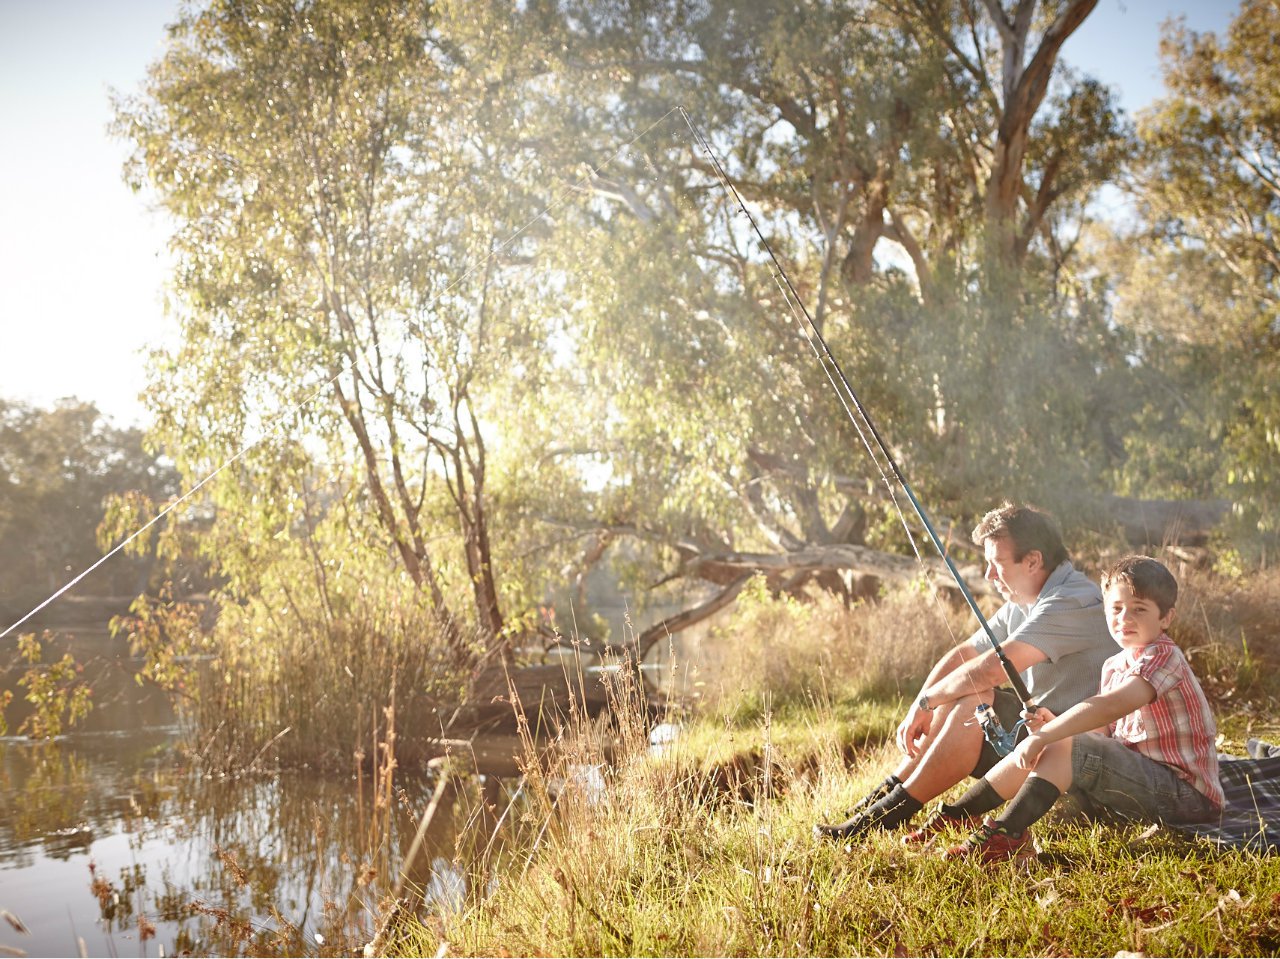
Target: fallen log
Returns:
[890, 567]
[1164, 522]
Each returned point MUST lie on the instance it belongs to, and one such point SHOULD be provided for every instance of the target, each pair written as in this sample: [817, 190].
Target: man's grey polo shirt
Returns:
[1068, 624]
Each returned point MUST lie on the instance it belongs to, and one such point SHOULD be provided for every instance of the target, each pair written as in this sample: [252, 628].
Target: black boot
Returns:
[851, 827]
[890, 810]
[882, 789]
[854, 826]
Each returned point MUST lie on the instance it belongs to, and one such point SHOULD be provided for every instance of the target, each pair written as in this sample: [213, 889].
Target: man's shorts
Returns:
[1008, 709]
[1108, 774]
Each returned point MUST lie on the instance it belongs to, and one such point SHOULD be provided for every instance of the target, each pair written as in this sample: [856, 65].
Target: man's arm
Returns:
[980, 672]
[916, 723]
[962, 672]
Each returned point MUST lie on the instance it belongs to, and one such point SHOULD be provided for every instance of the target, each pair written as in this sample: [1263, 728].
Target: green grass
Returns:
[706, 849]
[678, 859]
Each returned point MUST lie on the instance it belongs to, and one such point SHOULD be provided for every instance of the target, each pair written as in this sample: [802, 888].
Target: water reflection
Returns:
[111, 843]
[112, 840]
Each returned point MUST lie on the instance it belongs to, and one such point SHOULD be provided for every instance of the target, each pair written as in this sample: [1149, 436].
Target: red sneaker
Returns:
[991, 843]
[936, 823]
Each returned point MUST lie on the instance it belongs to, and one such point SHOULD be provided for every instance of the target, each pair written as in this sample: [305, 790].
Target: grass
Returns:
[705, 849]
[672, 860]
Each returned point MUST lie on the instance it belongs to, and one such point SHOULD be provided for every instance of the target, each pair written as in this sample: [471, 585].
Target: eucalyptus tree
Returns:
[352, 281]
[1204, 306]
[477, 259]
[868, 138]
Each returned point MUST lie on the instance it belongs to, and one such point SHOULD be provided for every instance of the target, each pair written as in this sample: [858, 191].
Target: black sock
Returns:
[878, 792]
[981, 797]
[1034, 799]
[894, 809]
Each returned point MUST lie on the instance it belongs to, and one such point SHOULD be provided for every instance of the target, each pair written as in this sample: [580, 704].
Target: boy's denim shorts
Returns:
[1107, 773]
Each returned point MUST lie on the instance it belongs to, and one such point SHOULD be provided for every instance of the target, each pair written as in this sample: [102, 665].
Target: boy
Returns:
[1152, 756]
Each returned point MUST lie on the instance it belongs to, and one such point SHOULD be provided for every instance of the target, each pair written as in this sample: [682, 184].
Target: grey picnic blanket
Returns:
[1251, 813]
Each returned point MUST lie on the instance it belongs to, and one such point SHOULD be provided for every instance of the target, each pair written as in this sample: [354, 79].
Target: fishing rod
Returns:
[991, 724]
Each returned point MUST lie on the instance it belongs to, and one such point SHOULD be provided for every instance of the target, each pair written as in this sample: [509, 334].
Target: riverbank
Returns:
[610, 836]
[676, 856]
[705, 847]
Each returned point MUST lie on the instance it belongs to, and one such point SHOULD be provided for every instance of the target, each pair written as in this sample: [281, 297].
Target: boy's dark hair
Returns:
[1027, 528]
[1149, 579]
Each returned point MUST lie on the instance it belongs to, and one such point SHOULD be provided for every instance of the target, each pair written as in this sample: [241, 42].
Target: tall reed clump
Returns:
[289, 679]
[779, 650]
[1230, 628]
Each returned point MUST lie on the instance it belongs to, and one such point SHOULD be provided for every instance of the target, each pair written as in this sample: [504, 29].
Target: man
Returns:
[1052, 628]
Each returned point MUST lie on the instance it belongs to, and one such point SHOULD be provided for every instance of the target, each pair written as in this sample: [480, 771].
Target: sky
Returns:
[82, 263]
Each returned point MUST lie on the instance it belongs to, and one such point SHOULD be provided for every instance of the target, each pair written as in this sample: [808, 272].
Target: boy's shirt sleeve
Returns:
[1159, 667]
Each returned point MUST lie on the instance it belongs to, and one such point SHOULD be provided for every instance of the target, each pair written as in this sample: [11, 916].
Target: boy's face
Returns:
[1018, 581]
[1134, 622]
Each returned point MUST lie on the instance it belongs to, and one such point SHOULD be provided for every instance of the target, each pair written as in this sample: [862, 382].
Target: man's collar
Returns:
[1056, 579]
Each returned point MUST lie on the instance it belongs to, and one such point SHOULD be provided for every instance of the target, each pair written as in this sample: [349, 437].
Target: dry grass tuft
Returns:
[776, 650]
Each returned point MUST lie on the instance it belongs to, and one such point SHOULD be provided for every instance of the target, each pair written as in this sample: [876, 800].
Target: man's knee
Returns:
[959, 716]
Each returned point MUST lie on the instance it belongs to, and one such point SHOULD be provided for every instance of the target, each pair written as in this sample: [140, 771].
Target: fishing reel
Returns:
[1001, 741]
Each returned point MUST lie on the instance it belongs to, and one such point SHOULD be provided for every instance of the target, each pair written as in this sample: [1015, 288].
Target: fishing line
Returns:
[275, 426]
[834, 372]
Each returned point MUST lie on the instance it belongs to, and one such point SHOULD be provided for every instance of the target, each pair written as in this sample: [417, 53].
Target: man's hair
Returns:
[1027, 528]
[1149, 579]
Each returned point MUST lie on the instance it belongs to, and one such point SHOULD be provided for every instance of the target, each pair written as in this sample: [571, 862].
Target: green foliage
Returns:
[315, 632]
[1206, 297]
[58, 696]
[58, 467]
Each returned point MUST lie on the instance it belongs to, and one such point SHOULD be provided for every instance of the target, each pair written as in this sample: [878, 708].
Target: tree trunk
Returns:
[1024, 91]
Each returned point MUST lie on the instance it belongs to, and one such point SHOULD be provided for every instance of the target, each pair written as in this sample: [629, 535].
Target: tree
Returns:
[477, 270]
[1206, 304]
[58, 467]
[853, 130]
[343, 209]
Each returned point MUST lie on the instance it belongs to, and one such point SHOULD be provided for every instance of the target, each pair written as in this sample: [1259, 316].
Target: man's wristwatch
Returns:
[923, 703]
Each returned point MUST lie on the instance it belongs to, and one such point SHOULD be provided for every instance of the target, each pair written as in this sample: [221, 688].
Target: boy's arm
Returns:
[1094, 713]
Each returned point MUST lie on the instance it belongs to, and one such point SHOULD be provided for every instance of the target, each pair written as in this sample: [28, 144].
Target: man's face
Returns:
[1018, 581]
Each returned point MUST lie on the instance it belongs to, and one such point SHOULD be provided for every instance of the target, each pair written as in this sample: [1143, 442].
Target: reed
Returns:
[301, 688]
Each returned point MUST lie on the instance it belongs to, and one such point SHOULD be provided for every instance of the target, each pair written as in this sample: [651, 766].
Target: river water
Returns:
[112, 845]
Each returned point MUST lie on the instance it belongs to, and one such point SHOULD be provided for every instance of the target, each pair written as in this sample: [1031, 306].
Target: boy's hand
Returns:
[1027, 753]
[1036, 718]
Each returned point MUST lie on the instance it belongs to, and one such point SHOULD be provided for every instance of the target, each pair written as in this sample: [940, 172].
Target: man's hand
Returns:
[913, 730]
[1027, 754]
